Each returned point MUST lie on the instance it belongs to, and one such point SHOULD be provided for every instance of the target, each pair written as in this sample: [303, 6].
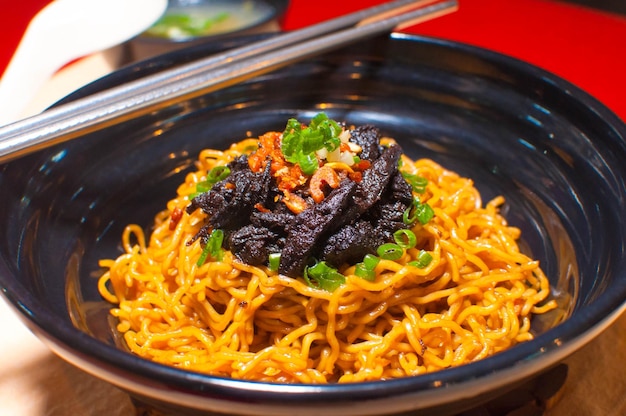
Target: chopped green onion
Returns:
[308, 163]
[365, 269]
[213, 247]
[215, 241]
[405, 238]
[299, 144]
[214, 176]
[390, 251]
[418, 183]
[274, 261]
[364, 273]
[418, 211]
[371, 261]
[407, 218]
[424, 213]
[323, 276]
[203, 255]
[423, 260]
[290, 143]
[218, 173]
[180, 25]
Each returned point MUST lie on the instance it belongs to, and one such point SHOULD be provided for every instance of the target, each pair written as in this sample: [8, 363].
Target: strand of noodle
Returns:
[304, 330]
[412, 328]
[172, 243]
[513, 326]
[371, 315]
[410, 364]
[433, 362]
[103, 282]
[524, 332]
[430, 320]
[459, 251]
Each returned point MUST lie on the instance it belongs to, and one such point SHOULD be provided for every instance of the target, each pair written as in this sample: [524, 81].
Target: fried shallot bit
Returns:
[324, 176]
[259, 207]
[177, 214]
[295, 203]
[288, 176]
[269, 149]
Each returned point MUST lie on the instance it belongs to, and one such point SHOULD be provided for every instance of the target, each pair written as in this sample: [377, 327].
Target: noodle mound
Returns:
[225, 318]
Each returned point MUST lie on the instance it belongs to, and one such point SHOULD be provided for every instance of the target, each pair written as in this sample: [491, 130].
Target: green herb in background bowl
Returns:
[185, 25]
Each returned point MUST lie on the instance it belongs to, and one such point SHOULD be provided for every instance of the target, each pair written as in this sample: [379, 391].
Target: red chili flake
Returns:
[356, 176]
[362, 165]
[177, 214]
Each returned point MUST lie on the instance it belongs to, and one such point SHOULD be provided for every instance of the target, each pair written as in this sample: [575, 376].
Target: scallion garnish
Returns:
[213, 247]
[364, 273]
[215, 175]
[418, 183]
[371, 261]
[299, 145]
[274, 261]
[418, 211]
[203, 256]
[390, 251]
[181, 25]
[423, 260]
[323, 276]
[405, 238]
[365, 269]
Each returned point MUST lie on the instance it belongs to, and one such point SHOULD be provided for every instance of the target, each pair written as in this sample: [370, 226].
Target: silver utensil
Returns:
[112, 106]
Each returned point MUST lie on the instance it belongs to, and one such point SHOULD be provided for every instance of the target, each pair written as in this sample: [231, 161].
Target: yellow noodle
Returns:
[474, 299]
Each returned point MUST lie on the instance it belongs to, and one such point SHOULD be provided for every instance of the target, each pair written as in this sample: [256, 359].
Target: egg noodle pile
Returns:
[474, 299]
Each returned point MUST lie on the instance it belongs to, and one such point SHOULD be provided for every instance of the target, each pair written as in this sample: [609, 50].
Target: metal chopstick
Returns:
[230, 56]
[147, 94]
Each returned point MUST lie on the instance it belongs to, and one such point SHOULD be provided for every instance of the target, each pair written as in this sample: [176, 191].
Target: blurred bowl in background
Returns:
[191, 22]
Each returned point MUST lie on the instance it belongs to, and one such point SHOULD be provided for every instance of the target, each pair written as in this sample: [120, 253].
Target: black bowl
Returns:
[554, 152]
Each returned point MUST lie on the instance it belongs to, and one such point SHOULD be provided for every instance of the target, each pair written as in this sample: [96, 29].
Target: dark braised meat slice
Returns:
[387, 213]
[375, 227]
[351, 243]
[275, 221]
[311, 225]
[368, 138]
[389, 217]
[376, 178]
[373, 184]
[231, 201]
[239, 163]
[253, 244]
[400, 189]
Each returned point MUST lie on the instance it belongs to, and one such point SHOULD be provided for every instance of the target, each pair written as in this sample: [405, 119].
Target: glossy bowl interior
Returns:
[554, 152]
